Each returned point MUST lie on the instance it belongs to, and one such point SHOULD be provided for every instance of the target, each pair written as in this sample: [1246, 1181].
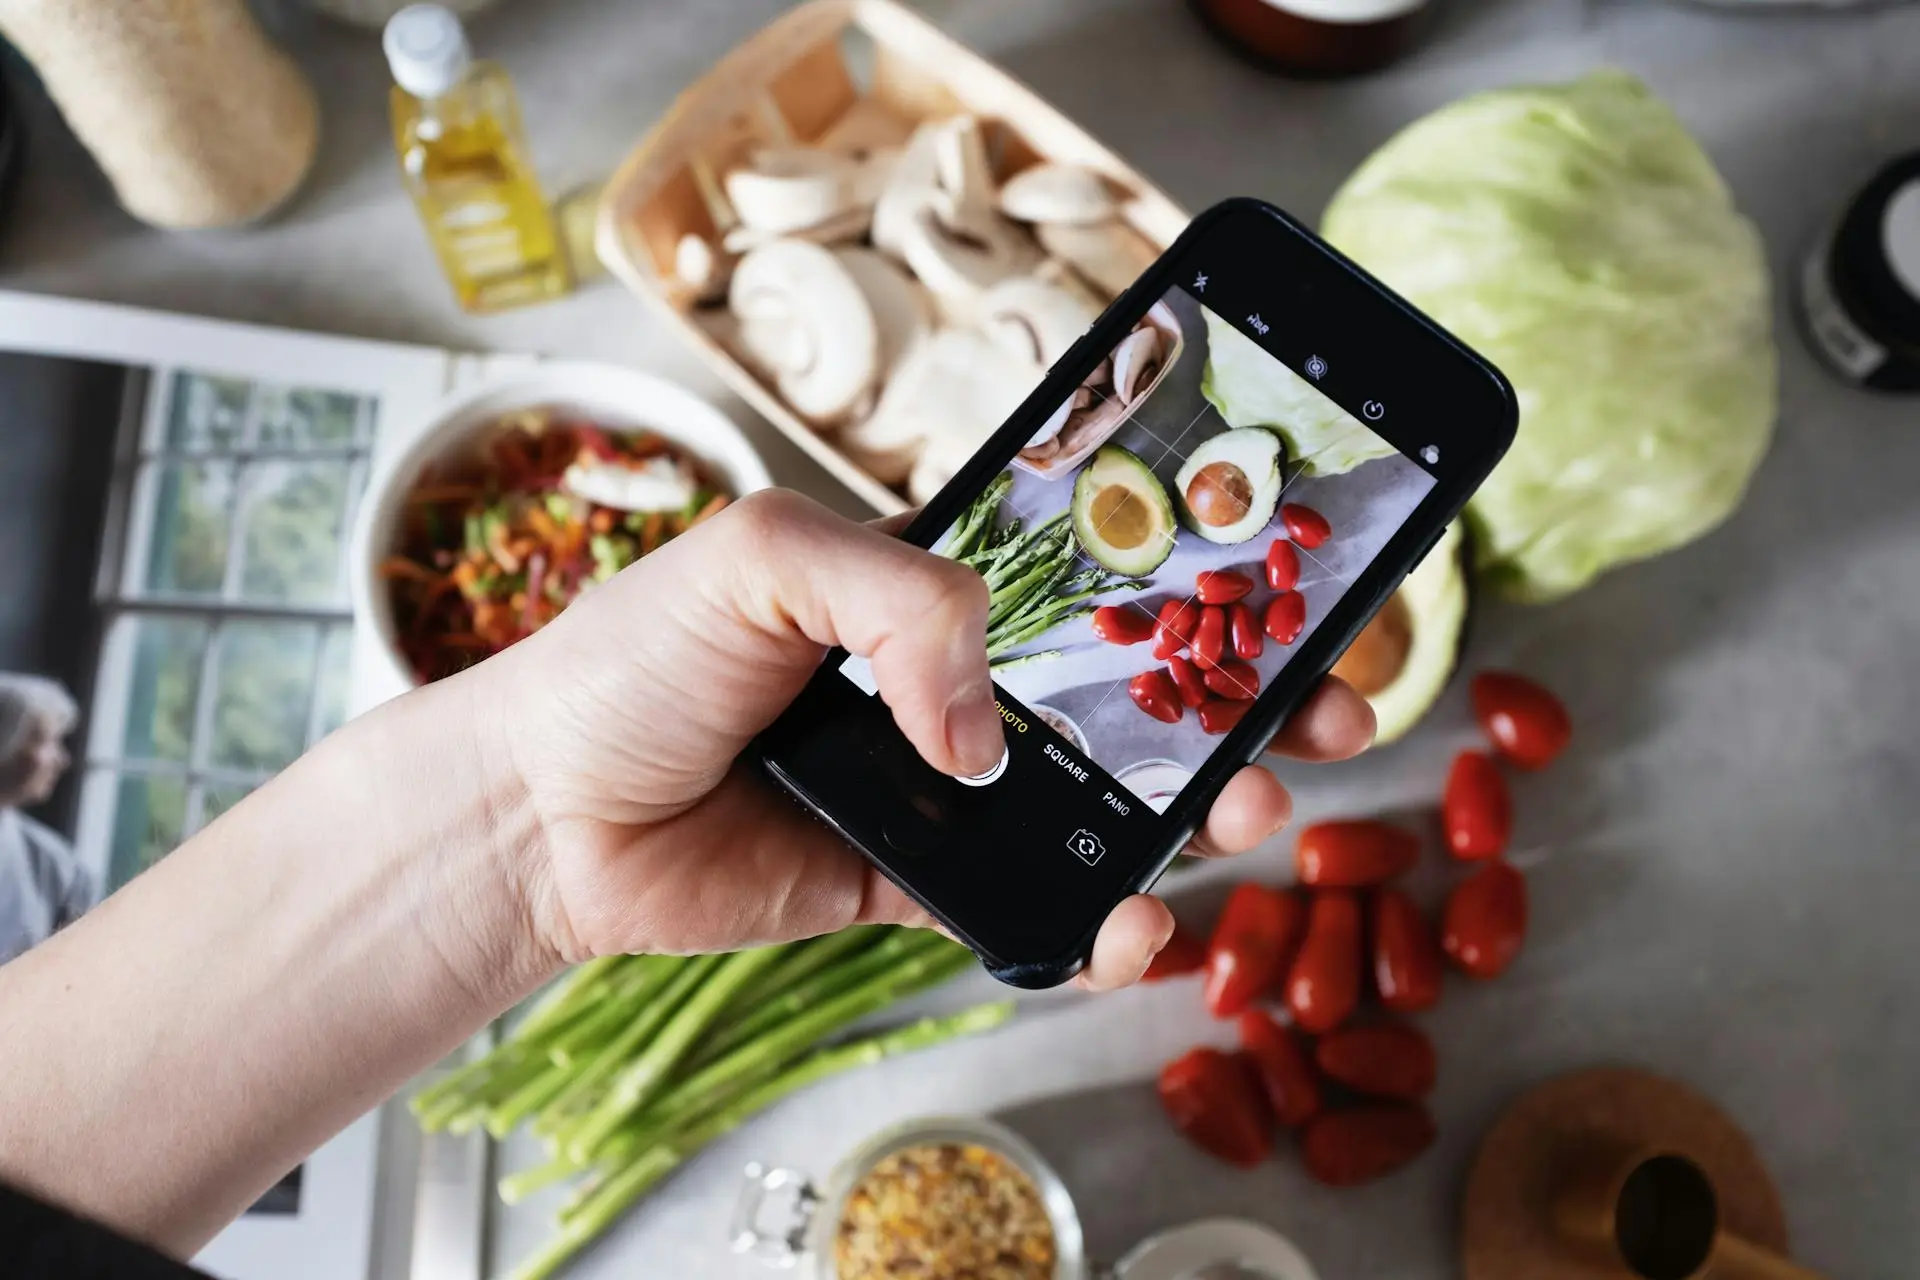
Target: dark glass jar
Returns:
[1860, 286]
[1316, 37]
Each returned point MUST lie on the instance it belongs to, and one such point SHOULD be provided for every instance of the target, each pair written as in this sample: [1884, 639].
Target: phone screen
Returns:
[1141, 502]
[1179, 532]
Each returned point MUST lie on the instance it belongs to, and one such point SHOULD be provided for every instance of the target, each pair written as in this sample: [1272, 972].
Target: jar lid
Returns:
[426, 49]
[1219, 1245]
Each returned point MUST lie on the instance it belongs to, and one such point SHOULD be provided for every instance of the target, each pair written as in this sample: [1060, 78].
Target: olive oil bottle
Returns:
[463, 156]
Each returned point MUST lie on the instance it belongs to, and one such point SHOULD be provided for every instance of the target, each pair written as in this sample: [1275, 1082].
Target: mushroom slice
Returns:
[958, 266]
[830, 355]
[700, 268]
[785, 189]
[902, 312]
[1033, 319]
[952, 391]
[839, 229]
[960, 167]
[1093, 424]
[1080, 399]
[1134, 361]
[1108, 255]
[1057, 193]
[913, 184]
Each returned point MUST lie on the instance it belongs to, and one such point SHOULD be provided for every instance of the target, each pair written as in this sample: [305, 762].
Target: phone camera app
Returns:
[1087, 847]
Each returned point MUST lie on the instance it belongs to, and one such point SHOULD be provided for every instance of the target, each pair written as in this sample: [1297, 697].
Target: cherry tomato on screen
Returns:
[1305, 525]
[1153, 692]
[1210, 638]
[1173, 628]
[1122, 624]
[1219, 715]
[1188, 680]
[1286, 617]
[1244, 629]
[1221, 586]
[1521, 717]
[1235, 680]
[1283, 565]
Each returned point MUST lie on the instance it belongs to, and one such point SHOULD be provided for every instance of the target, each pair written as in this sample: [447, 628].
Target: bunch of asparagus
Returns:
[1028, 573]
[633, 1063]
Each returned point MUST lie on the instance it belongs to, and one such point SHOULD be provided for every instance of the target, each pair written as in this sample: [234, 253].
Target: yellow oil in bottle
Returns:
[456, 127]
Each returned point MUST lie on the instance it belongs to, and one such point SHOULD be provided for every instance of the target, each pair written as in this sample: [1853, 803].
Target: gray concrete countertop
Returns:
[1722, 868]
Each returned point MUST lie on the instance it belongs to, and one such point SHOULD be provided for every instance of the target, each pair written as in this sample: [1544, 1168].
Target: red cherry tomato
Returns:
[1173, 629]
[1219, 715]
[1485, 921]
[1521, 717]
[1252, 939]
[1285, 1071]
[1188, 680]
[1305, 525]
[1210, 638]
[1387, 1060]
[1359, 1144]
[1324, 984]
[1286, 617]
[1476, 809]
[1153, 692]
[1122, 624]
[1221, 586]
[1283, 565]
[1406, 959]
[1234, 680]
[1214, 1099]
[1182, 955]
[1353, 854]
[1244, 629]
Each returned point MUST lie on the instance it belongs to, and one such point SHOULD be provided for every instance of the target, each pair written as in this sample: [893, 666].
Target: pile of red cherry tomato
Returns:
[1356, 1092]
[1210, 639]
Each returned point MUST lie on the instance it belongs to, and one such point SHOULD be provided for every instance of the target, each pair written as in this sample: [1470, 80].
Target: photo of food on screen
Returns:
[1159, 550]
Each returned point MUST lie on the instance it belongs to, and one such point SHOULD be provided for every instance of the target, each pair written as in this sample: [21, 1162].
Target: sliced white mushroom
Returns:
[1080, 399]
[1102, 375]
[902, 312]
[1108, 255]
[940, 462]
[960, 166]
[843, 229]
[1134, 361]
[1033, 319]
[703, 271]
[1057, 193]
[958, 266]
[786, 189]
[912, 185]
[950, 392]
[830, 354]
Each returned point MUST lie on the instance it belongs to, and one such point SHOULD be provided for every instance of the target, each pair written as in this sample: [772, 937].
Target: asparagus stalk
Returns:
[1040, 655]
[644, 1169]
[606, 1061]
[891, 950]
[642, 1079]
[580, 987]
[807, 959]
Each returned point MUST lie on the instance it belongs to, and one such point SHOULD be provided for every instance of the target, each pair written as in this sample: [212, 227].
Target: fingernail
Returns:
[974, 734]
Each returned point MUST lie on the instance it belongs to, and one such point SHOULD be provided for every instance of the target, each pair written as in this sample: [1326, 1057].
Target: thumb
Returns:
[921, 619]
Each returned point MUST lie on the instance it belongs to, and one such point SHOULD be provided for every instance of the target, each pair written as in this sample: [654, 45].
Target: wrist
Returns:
[474, 849]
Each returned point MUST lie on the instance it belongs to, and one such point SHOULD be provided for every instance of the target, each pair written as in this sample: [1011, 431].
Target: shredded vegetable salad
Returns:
[491, 551]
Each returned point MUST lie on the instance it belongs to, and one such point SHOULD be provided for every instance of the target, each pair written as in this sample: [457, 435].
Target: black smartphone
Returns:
[1182, 528]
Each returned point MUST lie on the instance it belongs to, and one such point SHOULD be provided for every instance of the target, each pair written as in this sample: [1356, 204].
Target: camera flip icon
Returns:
[1086, 846]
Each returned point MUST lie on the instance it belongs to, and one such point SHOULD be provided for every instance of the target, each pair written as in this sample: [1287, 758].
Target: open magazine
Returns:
[177, 509]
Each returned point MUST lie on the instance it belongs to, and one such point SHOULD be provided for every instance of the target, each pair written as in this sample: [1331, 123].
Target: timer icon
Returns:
[1316, 368]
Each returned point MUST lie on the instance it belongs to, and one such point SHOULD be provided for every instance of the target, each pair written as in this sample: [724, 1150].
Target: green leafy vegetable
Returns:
[1581, 240]
[1252, 389]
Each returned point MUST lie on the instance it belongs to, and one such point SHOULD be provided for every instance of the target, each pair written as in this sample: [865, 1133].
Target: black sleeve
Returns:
[39, 1242]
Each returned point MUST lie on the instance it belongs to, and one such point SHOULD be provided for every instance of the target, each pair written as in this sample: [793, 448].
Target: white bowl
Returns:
[610, 396]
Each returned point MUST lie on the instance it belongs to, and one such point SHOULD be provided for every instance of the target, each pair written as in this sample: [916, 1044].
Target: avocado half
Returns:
[1229, 486]
[1121, 513]
[1402, 660]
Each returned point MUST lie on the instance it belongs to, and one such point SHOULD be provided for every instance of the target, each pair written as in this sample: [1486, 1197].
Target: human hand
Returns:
[622, 722]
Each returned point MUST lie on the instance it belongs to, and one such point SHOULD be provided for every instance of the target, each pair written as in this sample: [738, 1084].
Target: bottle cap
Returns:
[426, 49]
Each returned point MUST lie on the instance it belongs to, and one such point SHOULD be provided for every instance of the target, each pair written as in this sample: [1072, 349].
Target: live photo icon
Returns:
[1431, 455]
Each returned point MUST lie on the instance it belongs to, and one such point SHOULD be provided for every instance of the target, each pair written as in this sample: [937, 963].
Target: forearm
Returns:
[166, 1058]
